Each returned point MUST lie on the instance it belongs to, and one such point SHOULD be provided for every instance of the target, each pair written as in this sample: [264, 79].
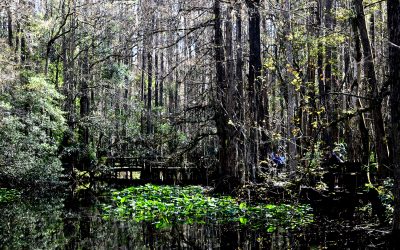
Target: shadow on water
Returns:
[70, 222]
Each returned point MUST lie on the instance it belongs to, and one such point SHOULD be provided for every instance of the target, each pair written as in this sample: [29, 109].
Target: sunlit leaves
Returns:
[297, 81]
[269, 64]
[343, 14]
[165, 205]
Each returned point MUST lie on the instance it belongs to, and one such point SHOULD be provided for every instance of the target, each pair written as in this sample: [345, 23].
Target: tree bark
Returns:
[364, 149]
[330, 79]
[149, 90]
[254, 85]
[227, 158]
[156, 72]
[17, 42]
[9, 27]
[161, 96]
[369, 73]
[84, 113]
[231, 88]
[24, 49]
[291, 92]
[143, 83]
[240, 95]
[394, 80]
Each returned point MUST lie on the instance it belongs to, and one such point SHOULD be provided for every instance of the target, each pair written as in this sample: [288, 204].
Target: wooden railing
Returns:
[156, 170]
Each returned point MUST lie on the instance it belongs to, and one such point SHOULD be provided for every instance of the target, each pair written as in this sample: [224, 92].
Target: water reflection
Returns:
[67, 223]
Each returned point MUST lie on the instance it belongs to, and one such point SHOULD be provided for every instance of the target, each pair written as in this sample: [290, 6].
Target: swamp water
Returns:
[71, 222]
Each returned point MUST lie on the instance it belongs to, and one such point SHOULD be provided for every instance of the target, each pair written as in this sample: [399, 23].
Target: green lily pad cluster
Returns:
[167, 205]
[7, 195]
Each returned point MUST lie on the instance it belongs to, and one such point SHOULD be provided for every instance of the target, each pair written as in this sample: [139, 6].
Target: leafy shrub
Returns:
[31, 126]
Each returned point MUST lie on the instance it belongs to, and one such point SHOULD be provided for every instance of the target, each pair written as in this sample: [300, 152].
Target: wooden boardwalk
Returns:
[154, 170]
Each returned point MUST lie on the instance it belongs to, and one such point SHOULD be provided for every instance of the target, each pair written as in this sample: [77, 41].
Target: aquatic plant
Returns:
[166, 205]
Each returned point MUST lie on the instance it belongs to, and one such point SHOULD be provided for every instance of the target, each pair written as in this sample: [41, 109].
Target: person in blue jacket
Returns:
[278, 159]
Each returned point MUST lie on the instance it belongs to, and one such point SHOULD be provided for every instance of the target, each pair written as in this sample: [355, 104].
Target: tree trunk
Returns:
[231, 88]
[149, 90]
[161, 96]
[17, 42]
[9, 27]
[394, 80]
[372, 33]
[220, 78]
[320, 57]
[224, 129]
[24, 49]
[156, 73]
[254, 84]
[84, 113]
[240, 95]
[364, 149]
[369, 73]
[143, 83]
[330, 78]
[290, 90]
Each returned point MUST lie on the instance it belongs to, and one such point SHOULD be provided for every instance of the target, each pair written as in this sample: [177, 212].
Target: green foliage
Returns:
[385, 193]
[31, 126]
[56, 73]
[166, 205]
[8, 195]
[116, 72]
[8, 71]
[386, 196]
[315, 156]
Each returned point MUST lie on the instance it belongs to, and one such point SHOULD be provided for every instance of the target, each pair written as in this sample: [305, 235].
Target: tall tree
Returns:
[240, 94]
[375, 100]
[223, 115]
[10, 27]
[393, 13]
[357, 86]
[254, 83]
[84, 104]
[329, 77]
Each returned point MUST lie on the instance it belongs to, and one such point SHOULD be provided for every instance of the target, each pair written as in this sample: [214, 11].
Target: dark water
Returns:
[65, 222]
